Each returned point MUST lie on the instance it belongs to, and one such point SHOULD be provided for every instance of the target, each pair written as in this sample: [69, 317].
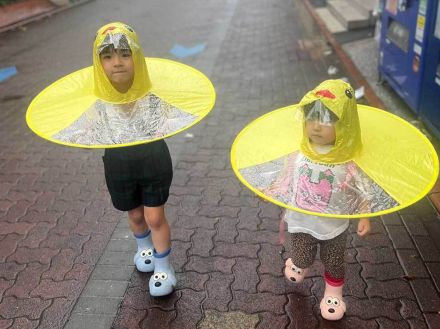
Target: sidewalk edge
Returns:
[37, 17]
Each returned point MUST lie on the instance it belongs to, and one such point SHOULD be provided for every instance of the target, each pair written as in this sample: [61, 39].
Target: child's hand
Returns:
[364, 227]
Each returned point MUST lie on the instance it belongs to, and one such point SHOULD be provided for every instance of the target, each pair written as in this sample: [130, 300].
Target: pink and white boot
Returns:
[332, 305]
[294, 273]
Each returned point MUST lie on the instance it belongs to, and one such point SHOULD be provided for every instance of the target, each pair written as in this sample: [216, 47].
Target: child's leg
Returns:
[303, 249]
[332, 256]
[143, 259]
[163, 281]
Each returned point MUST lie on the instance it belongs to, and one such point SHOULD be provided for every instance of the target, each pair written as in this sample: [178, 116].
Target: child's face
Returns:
[320, 134]
[119, 67]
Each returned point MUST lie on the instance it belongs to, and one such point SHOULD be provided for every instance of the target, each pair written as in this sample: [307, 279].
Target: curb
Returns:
[31, 17]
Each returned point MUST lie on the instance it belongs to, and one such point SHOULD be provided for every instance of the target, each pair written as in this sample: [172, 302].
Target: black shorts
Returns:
[138, 175]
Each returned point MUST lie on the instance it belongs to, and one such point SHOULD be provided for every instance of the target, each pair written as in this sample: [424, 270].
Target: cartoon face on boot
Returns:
[146, 255]
[144, 260]
[332, 308]
[332, 303]
[159, 277]
[294, 273]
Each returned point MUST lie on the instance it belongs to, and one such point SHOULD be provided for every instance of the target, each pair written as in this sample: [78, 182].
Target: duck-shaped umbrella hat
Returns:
[84, 109]
[377, 163]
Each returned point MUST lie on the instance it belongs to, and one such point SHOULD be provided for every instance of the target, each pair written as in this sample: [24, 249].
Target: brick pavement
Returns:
[231, 262]
[64, 250]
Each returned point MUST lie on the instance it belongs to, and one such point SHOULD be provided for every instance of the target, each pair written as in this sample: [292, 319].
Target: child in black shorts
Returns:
[138, 177]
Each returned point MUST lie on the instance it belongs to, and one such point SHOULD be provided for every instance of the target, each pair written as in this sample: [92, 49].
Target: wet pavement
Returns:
[65, 253]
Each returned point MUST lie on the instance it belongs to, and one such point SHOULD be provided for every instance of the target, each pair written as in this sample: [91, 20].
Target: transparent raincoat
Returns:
[378, 163]
[83, 109]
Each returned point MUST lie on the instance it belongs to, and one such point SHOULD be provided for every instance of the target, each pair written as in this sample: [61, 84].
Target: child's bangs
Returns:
[317, 111]
[112, 42]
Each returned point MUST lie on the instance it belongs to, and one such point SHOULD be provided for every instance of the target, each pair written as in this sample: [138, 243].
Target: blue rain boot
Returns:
[163, 281]
[144, 259]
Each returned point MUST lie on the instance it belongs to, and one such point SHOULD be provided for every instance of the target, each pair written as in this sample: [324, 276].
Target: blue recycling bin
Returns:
[429, 106]
[408, 51]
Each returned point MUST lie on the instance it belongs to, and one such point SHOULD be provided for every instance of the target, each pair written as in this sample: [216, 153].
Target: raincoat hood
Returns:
[338, 97]
[120, 36]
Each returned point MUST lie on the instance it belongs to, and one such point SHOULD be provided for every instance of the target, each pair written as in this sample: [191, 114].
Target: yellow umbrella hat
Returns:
[393, 155]
[83, 109]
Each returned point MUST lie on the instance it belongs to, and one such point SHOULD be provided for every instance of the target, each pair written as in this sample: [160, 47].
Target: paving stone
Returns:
[31, 308]
[409, 309]
[433, 320]
[382, 272]
[268, 320]
[98, 305]
[372, 308]
[49, 289]
[210, 264]
[300, 311]
[202, 242]
[426, 294]
[354, 284]
[79, 272]
[85, 321]
[122, 245]
[246, 276]
[427, 249]
[376, 240]
[191, 280]
[117, 258]
[27, 255]
[376, 255]
[386, 323]
[414, 225]
[399, 236]
[218, 291]
[129, 318]
[254, 303]
[214, 212]
[60, 265]
[269, 211]
[189, 312]
[248, 219]
[112, 272]
[262, 235]
[104, 288]
[240, 249]
[179, 254]
[226, 230]
[27, 280]
[8, 246]
[157, 318]
[56, 315]
[280, 286]
[192, 222]
[226, 320]
[271, 261]
[181, 234]
[417, 324]
[391, 289]
[24, 323]
[412, 264]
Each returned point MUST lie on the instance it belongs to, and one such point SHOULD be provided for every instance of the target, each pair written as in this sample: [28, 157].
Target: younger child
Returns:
[318, 186]
[322, 177]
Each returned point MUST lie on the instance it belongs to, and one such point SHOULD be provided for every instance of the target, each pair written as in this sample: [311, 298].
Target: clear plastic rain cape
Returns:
[378, 163]
[83, 109]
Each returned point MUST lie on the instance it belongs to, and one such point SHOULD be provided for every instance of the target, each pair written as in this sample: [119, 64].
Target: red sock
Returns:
[335, 282]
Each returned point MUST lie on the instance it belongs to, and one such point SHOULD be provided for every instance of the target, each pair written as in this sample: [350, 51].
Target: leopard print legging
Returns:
[302, 248]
